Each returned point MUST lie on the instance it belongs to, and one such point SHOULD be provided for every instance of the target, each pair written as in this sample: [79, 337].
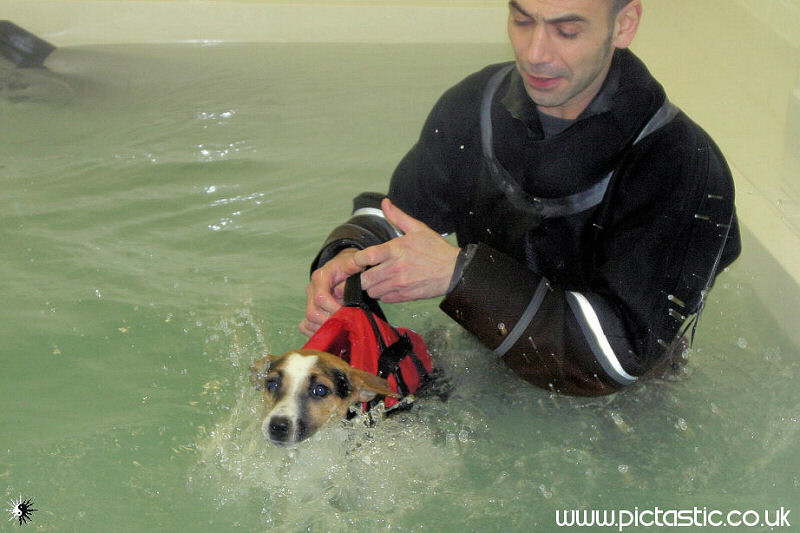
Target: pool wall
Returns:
[734, 66]
[69, 22]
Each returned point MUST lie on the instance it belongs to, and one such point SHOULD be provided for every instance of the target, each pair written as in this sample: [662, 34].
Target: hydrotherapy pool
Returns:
[160, 206]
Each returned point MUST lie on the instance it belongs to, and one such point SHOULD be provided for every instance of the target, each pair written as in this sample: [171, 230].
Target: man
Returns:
[591, 214]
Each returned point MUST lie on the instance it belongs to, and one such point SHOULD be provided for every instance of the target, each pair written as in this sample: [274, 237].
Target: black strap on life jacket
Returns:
[354, 296]
[390, 355]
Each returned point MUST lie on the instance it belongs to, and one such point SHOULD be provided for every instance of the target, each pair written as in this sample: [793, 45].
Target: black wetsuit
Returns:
[585, 251]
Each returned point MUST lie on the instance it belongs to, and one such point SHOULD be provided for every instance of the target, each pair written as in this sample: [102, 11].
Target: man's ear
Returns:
[259, 369]
[366, 386]
[627, 23]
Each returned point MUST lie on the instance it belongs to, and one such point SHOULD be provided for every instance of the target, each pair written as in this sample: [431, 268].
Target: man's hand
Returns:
[325, 293]
[414, 266]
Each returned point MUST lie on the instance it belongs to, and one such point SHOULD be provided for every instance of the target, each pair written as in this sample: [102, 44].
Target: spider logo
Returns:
[22, 510]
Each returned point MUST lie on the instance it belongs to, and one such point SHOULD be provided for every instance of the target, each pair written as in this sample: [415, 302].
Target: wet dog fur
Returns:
[303, 390]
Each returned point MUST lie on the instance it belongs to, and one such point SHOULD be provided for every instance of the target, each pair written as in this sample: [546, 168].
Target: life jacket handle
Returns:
[354, 296]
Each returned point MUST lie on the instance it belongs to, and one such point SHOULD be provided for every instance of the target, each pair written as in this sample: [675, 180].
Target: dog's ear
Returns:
[366, 386]
[259, 369]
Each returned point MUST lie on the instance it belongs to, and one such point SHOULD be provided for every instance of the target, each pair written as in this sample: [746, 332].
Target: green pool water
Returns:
[159, 207]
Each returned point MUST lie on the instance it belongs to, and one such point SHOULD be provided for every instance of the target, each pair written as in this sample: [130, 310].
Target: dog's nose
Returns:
[279, 428]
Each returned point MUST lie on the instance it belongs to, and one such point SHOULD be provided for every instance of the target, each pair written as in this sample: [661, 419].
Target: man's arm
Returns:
[410, 261]
[417, 265]
[572, 342]
[431, 196]
[334, 263]
[670, 229]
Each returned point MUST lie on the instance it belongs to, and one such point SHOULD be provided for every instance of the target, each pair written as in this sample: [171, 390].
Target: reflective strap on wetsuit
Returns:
[376, 212]
[598, 342]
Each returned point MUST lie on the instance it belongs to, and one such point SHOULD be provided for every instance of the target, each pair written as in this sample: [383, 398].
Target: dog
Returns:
[305, 389]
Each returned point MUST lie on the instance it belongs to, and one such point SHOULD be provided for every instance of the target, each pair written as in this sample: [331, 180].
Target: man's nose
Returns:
[539, 49]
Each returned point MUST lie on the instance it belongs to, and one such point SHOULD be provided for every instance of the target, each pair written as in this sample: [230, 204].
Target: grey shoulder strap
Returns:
[486, 110]
[574, 203]
[660, 118]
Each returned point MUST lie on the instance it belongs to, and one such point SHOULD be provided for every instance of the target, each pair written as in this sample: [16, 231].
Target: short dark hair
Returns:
[617, 5]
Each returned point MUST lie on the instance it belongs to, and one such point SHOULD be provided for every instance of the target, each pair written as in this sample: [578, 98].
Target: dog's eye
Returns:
[320, 391]
[272, 385]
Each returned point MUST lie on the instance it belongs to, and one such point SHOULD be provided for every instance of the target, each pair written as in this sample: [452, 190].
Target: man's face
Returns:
[563, 50]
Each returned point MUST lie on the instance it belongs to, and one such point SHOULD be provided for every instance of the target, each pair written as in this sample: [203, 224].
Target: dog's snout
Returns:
[279, 428]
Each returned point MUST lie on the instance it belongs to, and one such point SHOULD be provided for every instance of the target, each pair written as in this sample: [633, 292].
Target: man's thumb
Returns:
[399, 218]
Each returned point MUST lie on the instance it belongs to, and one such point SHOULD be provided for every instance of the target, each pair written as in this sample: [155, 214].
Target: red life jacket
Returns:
[360, 334]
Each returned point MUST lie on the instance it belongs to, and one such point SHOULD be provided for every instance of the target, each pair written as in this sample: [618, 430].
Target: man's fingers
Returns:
[373, 255]
[338, 291]
[373, 277]
[325, 303]
[320, 305]
[318, 298]
[308, 328]
[389, 294]
[325, 291]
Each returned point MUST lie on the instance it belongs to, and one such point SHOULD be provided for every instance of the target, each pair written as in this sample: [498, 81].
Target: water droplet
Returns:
[741, 343]
[620, 422]
[773, 353]
[675, 299]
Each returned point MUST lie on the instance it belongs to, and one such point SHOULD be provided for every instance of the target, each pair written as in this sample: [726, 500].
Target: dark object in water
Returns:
[21, 47]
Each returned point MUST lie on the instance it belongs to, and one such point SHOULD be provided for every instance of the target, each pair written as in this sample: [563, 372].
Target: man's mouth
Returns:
[538, 82]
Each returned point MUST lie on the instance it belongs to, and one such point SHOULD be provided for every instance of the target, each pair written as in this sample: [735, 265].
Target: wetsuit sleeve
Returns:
[655, 262]
[561, 340]
[367, 226]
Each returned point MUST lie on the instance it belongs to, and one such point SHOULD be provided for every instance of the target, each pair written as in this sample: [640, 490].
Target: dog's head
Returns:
[304, 389]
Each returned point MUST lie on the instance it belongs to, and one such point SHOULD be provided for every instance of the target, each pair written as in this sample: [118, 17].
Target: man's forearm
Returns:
[568, 341]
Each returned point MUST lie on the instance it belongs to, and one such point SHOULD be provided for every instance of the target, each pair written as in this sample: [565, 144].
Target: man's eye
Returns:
[568, 32]
[320, 391]
[522, 22]
[272, 385]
